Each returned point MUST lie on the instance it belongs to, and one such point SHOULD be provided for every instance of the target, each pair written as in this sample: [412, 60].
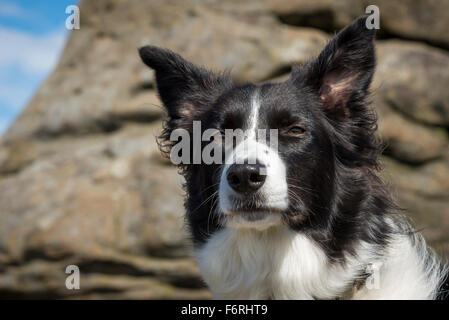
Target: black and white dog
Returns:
[310, 220]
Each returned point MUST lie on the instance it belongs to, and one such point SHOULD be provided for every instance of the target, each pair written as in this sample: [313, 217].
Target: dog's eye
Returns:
[296, 131]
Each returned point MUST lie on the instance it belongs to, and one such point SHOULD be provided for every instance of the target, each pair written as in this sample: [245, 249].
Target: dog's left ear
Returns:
[342, 73]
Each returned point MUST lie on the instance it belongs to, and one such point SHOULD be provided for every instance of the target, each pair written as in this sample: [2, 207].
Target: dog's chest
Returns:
[277, 263]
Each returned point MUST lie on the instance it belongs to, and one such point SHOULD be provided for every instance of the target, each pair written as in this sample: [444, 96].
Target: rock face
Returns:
[81, 179]
[410, 19]
[412, 99]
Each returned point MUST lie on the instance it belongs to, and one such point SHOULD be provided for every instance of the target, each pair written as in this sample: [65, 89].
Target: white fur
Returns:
[409, 269]
[279, 263]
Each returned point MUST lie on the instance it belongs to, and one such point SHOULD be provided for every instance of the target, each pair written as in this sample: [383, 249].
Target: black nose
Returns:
[246, 178]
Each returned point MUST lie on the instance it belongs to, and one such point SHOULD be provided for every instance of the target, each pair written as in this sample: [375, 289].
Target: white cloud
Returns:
[24, 62]
[15, 94]
[12, 10]
[32, 53]
[26, 58]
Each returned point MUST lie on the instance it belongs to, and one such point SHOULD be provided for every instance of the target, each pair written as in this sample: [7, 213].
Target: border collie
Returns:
[310, 220]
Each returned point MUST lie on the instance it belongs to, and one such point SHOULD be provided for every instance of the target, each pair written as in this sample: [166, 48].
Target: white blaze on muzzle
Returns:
[254, 149]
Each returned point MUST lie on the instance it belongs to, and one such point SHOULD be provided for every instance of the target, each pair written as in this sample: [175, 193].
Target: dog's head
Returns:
[321, 125]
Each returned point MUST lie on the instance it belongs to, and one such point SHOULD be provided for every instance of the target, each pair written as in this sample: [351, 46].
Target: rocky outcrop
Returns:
[81, 178]
[412, 100]
[413, 79]
[409, 19]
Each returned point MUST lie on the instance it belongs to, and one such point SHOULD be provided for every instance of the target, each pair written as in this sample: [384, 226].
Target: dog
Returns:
[309, 219]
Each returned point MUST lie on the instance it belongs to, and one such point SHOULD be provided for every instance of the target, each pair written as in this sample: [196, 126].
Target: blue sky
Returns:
[32, 36]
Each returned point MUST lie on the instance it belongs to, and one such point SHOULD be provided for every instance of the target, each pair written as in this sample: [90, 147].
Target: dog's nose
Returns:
[246, 178]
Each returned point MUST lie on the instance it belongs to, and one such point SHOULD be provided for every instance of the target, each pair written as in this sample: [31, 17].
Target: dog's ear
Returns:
[184, 89]
[342, 72]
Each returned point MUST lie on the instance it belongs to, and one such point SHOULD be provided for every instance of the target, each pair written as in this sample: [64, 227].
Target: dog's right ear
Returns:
[342, 72]
[185, 90]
